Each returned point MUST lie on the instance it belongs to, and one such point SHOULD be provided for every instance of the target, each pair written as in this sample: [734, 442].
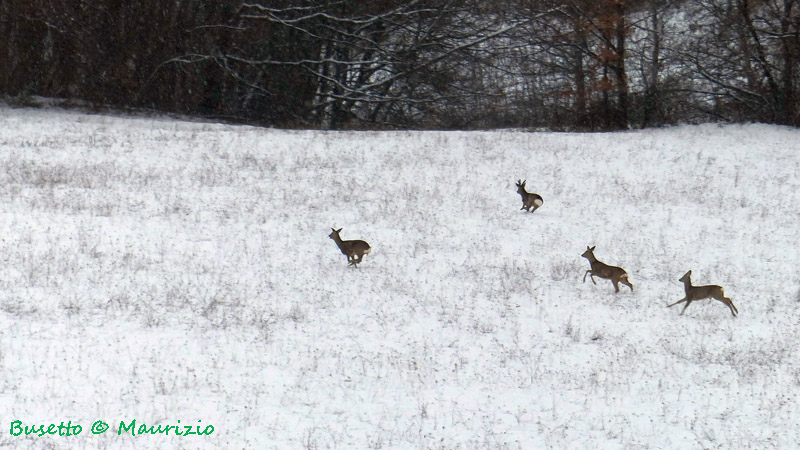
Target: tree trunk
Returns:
[621, 35]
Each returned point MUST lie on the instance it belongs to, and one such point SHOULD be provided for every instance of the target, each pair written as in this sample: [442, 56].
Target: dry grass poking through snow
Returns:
[160, 270]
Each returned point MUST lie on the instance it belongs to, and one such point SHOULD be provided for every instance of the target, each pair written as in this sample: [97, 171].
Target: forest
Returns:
[585, 65]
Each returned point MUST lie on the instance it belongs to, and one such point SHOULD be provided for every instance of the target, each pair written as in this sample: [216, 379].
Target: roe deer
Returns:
[615, 274]
[351, 249]
[702, 292]
[528, 198]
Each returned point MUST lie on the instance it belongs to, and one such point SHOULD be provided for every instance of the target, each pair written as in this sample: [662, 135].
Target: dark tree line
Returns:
[565, 64]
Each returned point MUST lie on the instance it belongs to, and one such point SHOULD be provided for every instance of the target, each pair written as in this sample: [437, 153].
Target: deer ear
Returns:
[592, 249]
[339, 230]
[333, 229]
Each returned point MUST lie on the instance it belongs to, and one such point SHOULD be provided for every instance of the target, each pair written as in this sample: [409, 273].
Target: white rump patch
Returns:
[537, 202]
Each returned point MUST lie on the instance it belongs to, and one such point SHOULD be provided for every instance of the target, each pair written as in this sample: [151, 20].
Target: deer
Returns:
[351, 249]
[703, 292]
[615, 274]
[528, 198]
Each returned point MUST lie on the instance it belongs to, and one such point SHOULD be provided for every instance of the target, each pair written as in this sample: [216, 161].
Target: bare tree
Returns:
[384, 62]
[746, 66]
[569, 64]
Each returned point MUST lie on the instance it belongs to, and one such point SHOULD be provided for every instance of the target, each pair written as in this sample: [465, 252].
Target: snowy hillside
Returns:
[166, 271]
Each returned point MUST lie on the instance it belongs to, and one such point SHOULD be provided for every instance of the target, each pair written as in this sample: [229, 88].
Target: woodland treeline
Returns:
[559, 64]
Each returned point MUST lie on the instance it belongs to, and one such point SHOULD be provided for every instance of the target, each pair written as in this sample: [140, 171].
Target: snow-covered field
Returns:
[169, 271]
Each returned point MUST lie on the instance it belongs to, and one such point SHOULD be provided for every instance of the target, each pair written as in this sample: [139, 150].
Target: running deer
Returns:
[703, 292]
[351, 249]
[528, 198]
[615, 274]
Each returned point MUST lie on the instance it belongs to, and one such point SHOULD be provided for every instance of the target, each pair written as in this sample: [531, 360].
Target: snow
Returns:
[162, 270]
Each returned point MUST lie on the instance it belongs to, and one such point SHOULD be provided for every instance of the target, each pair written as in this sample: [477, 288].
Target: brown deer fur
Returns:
[615, 274]
[351, 249]
[702, 292]
[528, 198]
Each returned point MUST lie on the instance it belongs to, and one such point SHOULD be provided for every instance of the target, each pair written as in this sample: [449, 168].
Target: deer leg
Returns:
[687, 305]
[626, 282]
[616, 285]
[679, 301]
[729, 302]
[584, 275]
